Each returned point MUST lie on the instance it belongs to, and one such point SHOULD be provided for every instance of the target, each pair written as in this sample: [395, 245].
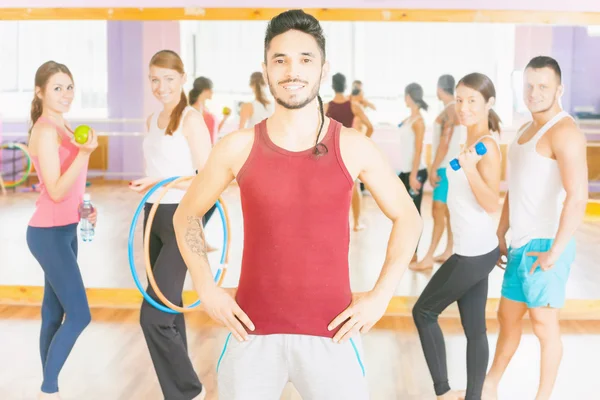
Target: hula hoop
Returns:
[170, 307]
[13, 146]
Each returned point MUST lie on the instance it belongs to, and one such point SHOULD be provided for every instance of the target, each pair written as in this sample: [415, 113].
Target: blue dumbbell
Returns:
[479, 149]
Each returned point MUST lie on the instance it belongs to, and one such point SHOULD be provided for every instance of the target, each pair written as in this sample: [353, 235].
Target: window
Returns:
[593, 30]
[81, 45]
[226, 52]
[384, 56]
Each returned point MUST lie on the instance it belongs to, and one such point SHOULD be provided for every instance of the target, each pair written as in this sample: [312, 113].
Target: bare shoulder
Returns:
[493, 150]
[192, 118]
[567, 141]
[356, 145]
[450, 115]
[193, 115]
[361, 154]
[42, 135]
[419, 124]
[235, 142]
[44, 131]
[566, 130]
[246, 107]
[350, 137]
[356, 104]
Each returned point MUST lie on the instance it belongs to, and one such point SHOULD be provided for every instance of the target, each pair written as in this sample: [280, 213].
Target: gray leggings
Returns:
[464, 280]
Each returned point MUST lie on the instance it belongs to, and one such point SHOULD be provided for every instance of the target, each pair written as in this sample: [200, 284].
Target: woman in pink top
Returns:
[62, 165]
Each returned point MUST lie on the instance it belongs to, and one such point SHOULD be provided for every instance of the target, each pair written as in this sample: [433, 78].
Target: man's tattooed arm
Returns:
[194, 237]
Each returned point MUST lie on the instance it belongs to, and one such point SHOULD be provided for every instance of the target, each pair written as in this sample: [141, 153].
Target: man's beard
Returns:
[296, 104]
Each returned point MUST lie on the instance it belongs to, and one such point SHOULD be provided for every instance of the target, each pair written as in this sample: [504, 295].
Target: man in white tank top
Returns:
[544, 205]
[445, 146]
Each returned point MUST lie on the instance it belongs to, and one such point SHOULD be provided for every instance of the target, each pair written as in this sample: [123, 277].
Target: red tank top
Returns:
[295, 273]
[341, 112]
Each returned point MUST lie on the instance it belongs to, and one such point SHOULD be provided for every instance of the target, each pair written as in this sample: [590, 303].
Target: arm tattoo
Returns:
[444, 120]
[194, 236]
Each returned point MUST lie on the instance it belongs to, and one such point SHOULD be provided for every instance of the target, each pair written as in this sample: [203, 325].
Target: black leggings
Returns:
[464, 280]
[422, 176]
[165, 333]
[405, 178]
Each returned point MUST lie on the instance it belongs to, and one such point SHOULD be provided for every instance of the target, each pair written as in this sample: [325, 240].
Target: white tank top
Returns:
[167, 156]
[473, 229]
[259, 113]
[407, 145]
[536, 192]
[453, 146]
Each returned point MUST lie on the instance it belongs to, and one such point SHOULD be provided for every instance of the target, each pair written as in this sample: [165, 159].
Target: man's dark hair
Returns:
[298, 20]
[338, 82]
[446, 83]
[545, 62]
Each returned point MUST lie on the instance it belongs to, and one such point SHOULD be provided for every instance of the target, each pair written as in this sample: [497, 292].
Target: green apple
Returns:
[81, 134]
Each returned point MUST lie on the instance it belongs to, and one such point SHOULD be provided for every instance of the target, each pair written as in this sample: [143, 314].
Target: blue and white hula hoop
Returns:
[169, 307]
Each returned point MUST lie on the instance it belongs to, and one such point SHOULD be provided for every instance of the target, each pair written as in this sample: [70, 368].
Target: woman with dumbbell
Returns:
[473, 196]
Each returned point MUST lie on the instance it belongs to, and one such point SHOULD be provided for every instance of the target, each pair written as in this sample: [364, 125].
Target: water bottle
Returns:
[410, 189]
[480, 149]
[85, 226]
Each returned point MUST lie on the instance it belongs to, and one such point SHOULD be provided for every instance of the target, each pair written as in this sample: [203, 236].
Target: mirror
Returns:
[109, 62]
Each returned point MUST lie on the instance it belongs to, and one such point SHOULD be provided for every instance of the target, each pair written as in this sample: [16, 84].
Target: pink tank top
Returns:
[49, 213]
[211, 124]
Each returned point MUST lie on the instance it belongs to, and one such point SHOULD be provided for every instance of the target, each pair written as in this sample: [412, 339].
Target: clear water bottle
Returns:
[86, 228]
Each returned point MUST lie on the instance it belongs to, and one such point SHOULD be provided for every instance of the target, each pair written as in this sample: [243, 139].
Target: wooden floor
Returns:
[104, 261]
[110, 361]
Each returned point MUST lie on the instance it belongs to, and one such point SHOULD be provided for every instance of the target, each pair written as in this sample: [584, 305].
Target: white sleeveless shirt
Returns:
[453, 146]
[473, 229]
[407, 145]
[167, 156]
[259, 113]
[535, 190]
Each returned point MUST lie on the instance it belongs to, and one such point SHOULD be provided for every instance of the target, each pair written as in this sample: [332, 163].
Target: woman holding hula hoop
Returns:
[52, 231]
[177, 144]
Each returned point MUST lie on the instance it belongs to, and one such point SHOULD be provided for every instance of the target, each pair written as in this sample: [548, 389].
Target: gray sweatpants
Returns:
[320, 369]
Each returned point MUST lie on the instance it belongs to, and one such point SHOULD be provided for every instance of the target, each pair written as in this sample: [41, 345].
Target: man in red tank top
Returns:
[344, 110]
[293, 316]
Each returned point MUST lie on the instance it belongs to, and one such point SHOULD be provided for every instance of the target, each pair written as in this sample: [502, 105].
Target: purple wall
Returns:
[130, 46]
[563, 52]
[579, 58]
[125, 84]
[586, 70]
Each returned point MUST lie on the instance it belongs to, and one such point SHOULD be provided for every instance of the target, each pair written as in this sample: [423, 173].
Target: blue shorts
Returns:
[440, 192]
[542, 288]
